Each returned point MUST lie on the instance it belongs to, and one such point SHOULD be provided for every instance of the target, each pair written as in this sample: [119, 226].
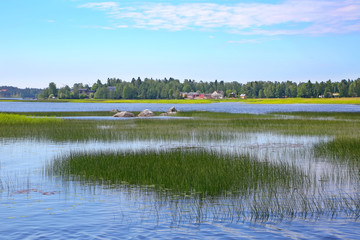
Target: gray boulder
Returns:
[124, 114]
[114, 111]
[172, 110]
[146, 113]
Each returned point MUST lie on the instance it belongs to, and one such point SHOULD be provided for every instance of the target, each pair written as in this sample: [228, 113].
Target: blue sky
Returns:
[70, 41]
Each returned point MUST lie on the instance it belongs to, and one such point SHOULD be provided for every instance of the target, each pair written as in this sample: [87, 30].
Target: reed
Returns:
[200, 126]
[7, 120]
[202, 172]
[342, 148]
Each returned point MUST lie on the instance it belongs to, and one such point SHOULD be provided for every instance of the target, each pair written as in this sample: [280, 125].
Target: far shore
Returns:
[352, 100]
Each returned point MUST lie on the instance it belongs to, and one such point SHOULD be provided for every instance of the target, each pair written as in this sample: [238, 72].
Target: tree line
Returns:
[14, 92]
[171, 88]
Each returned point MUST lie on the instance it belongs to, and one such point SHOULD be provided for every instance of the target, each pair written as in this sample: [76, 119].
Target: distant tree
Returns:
[129, 92]
[65, 92]
[343, 88]
[354, 88]
[101, 93]
[187, 88]
[52, 89]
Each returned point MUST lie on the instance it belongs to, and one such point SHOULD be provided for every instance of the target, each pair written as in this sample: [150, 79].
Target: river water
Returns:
[35, 205]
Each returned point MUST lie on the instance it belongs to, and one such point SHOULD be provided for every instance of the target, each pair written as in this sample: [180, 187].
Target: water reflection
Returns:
[29, 197]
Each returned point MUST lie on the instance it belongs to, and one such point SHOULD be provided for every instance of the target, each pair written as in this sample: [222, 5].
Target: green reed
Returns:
[8, 120]
[200, 125]
[180, 171]
[341, 148]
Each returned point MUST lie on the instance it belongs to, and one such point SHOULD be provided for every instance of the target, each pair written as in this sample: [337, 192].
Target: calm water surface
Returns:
[213, 107]
[35, 205]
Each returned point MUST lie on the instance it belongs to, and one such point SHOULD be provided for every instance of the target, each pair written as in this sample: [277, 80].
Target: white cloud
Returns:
[102, 5]
[288, 17]
[245, 41]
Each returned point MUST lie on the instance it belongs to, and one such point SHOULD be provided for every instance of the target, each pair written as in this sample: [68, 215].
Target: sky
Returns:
[80, 41]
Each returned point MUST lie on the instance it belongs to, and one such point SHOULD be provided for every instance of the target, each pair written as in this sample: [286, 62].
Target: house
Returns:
[243, 96]
[232, 95]
[205, 96]
[192, 95]
[85, 91]
[217, 95]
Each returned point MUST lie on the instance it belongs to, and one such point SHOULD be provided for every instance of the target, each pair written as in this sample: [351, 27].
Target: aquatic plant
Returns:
[342, 148]
[181, 171]
[7, 119]
[202, 126]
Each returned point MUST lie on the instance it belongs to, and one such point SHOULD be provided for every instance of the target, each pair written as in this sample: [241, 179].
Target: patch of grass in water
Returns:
[343, 148]
[15, 119]
[203, 126]
[206, 173]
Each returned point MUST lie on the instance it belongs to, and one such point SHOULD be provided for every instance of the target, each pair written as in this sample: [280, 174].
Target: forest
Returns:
[171, 88]
[14, 92]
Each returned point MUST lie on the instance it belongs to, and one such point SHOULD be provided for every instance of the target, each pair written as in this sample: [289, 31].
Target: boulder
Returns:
[114, 111]
[146, 113]
[172, 110]
[124, 114]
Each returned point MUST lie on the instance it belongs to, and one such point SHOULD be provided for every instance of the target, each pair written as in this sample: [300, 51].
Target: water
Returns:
[34, 205]
[213, 107]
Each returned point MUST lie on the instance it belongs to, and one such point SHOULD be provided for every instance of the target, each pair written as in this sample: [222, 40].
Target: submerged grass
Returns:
[342, 148]
[201, 172]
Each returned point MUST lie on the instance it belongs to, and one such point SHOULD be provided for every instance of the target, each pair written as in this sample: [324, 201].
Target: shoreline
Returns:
[349, 100]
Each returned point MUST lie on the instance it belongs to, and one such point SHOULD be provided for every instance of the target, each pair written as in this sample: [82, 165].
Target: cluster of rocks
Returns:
[145, 113]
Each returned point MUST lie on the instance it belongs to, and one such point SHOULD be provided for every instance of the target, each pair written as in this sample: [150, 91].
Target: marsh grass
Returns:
[341, 148]
[66, 114]
[7, 120]
[202, 172]
[200, 125]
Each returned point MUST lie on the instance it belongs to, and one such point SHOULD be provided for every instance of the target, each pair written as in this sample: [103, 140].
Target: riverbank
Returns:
[354, 100]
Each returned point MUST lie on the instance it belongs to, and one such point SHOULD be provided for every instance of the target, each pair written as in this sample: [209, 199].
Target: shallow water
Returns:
[213, 107]
[36, 205]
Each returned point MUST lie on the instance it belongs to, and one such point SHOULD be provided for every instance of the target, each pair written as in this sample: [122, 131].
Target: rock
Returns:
[146, 113]
[172, 110]
[114, 111]
[124, 114]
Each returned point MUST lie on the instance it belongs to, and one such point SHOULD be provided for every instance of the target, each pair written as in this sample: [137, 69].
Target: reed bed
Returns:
[180, 171]
[341, 148]
[201, 126]
[7, 120]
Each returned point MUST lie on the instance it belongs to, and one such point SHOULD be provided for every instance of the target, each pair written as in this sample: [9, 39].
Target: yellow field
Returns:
[354, 100]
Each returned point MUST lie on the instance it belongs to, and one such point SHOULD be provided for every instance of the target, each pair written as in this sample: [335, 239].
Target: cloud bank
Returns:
[291, 17]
